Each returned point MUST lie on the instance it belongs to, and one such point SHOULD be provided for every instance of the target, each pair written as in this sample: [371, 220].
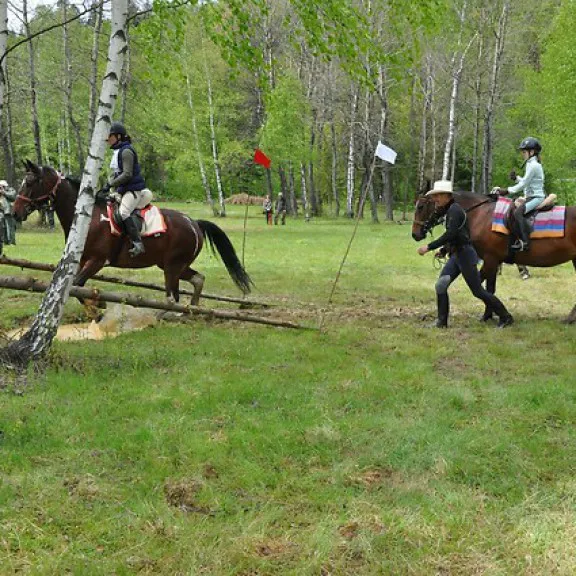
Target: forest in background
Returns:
[452, 86]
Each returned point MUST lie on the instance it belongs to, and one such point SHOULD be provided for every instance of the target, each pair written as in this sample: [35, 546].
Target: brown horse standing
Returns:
[172, 251]
[491, 246]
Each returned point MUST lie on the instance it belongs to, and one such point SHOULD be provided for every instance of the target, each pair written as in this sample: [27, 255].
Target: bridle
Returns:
[437, 217]
[35, 203]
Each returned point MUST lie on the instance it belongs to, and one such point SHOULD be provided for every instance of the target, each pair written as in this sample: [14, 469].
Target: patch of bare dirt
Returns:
[372, 478]
[83, 487]
[182, 494]
[273, 548]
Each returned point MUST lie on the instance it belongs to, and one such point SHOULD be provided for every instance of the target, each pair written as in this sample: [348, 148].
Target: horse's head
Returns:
[36, 191]
[425, 217]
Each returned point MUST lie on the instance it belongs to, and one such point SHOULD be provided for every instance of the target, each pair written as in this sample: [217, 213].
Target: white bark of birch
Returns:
[37, 341]
[201, 167]
[32, 83]
[486, 182]
[94, 70]
[350, 171]
[3, 46]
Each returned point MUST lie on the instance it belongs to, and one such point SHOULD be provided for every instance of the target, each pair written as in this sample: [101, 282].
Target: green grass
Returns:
[377, 447]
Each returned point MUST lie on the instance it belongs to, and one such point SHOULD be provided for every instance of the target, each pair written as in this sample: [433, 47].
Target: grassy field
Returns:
[378, 446]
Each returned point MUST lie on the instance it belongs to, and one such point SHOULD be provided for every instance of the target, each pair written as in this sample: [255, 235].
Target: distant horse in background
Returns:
[491, 246]
[172, 251]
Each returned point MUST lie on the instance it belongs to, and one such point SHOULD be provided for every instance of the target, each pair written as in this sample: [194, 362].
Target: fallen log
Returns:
[34, 285]
[134, 283]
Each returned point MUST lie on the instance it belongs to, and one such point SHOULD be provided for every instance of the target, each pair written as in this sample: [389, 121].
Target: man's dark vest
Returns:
[136, 183]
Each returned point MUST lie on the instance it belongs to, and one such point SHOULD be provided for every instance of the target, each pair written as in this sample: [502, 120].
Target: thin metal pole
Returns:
[360, 205]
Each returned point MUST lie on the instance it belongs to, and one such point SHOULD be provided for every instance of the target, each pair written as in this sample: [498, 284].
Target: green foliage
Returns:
[286, 133]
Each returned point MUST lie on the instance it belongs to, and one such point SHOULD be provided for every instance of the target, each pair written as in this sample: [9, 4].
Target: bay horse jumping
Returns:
[173, 251]
[491, 246]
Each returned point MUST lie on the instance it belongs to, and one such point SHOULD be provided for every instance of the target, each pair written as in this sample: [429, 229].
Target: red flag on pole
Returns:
[261, 158]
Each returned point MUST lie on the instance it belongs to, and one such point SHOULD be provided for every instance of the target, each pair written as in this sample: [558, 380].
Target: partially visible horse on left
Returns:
[173, 251]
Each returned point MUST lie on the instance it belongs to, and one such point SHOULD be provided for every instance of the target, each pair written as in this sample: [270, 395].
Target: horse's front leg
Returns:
[489, 272]
[87, 270]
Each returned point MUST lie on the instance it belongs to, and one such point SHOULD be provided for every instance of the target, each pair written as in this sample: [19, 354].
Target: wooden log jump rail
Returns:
[133, 283]
[34, 285]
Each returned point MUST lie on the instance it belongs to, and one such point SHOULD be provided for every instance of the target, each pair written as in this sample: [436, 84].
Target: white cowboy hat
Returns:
[441, 187]
[3, 184]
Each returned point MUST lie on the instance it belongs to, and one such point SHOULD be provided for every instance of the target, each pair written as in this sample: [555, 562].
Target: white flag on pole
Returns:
[385, 153]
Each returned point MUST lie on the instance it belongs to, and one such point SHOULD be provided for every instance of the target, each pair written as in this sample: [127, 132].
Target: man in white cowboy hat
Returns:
[463, 258]
[7, 222]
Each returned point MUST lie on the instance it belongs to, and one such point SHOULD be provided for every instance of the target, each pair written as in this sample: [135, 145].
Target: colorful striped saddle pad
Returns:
[548, 224]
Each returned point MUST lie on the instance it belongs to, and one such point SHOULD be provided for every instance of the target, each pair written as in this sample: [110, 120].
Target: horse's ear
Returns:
[32, 167]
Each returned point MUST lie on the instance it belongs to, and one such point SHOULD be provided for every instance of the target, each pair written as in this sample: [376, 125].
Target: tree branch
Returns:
[49, 28]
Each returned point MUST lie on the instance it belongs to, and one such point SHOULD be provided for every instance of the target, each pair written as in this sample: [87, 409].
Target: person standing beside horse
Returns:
[533, 186]
[463, 258]
[128, 181]
[8, 229]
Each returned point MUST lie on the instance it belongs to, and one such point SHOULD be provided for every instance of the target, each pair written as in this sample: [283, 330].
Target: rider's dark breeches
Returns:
[465, 262]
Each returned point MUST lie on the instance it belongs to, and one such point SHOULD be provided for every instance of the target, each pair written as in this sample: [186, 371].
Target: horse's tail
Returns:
[217, 238]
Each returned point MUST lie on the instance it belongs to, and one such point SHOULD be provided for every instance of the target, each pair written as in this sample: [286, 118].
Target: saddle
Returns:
[149, 220]
[547, 204]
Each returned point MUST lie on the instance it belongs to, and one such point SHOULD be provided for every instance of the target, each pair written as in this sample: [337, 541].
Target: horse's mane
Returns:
[474, 196]
[75, 182]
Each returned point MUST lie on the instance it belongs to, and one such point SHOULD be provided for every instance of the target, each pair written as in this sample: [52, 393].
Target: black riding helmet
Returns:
[117, 128]
[530, 143]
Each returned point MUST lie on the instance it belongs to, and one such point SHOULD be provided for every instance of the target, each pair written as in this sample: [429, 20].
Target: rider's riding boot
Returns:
[523, 242]
[507, 320]
[134, 235]
[443, 304]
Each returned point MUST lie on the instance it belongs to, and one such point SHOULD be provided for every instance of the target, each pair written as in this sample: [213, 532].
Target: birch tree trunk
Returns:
[32, 84]
[292, 204]
[313, 199]
[93, 80]
[215, 158]
[36, 342]
[334, 168]
[201, 167]
[304, 191]
[387, 197]
[5, 124]
[422, 152]
[351, 150]
[333, 145]
[67, 86]
[486, 181]
[125, 79]
[478, 100]
[457, 66]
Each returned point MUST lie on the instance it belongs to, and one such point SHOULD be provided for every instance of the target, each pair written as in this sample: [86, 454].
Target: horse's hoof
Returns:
[486, 318]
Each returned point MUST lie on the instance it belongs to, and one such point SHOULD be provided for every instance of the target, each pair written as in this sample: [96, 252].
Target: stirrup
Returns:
[519, 246]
